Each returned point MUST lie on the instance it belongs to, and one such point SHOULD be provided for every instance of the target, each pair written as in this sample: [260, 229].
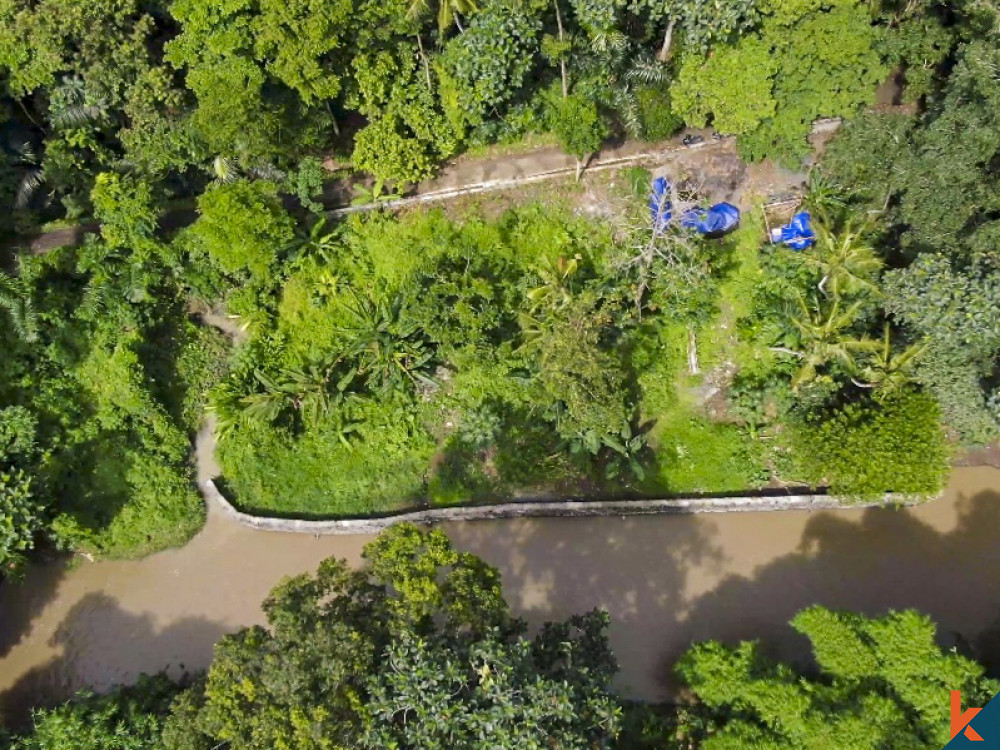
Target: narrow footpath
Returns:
[474, 175]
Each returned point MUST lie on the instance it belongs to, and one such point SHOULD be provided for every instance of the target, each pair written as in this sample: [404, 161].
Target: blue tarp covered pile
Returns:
[797, 234]
[714, 221]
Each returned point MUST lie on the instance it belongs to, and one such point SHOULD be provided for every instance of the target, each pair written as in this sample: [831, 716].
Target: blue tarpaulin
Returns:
[715, 221]
[659, 203]
[797, 234]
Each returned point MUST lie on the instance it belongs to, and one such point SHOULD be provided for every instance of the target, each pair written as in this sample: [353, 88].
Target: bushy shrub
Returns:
[21, 518]
[866, 449]
[242, 226]
[127, 718]
[656, 113]
[578, 124]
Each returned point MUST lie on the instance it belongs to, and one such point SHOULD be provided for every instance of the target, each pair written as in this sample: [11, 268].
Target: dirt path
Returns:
[665, 580]
[463, 176]
[470, 176]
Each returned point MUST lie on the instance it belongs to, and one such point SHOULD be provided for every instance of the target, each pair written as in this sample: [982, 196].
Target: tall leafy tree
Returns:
[702, 23]
[489, 63]
[883, 683]
[955, 310]
[416, 651]
[242, 226]
[243, 59]
[733, 86]
[792, 81]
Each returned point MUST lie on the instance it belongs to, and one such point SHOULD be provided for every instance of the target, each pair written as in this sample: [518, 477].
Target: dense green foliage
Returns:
[417, 650]
[939, 230]
[467, 359]
[103, 383]
[127, 718]
[176, 92]
[387, 361]
[900, 440]
[881, 684]
[402, 360]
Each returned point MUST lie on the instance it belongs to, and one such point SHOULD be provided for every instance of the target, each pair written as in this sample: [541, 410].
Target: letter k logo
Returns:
[960, 721]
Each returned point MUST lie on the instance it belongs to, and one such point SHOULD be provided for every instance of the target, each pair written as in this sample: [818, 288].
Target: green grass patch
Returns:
[740, 272]
[692, 453]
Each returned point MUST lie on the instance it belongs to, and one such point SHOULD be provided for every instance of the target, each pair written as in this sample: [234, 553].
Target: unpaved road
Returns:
[473, 175]
[666, 580]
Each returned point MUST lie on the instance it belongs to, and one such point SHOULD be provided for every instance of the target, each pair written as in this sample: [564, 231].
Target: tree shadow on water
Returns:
[670, 581]
[21, 601]
[636, 568]
[888, 560]
[101, 646]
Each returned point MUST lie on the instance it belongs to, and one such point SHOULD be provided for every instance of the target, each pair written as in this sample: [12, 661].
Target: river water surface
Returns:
[667, 580]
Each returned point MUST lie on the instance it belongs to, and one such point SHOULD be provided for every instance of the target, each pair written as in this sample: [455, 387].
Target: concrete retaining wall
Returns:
[546, 509]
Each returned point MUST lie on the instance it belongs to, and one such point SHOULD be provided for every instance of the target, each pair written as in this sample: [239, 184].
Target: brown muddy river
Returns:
[666, 580]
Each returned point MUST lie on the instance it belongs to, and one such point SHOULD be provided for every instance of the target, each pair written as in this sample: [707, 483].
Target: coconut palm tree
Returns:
[887, 371]
[824, 338]
[847, 263]
[15, 297]
[449, 11]
[824, 197]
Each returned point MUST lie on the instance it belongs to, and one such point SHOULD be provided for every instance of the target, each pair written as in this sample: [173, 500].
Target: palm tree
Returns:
[824, 339]
[21, 158]
[449, 11]
[848, 264]
[15, 297]
[887, 372]
[224, 170]
[824, 197]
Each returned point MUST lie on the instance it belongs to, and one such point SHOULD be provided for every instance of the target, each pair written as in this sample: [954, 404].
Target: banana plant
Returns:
[388, 351]
[377, 193]
[554, 291]
[319, 394]
[318, 242]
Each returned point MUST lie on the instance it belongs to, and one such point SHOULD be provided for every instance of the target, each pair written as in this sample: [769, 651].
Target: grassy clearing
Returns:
[697, 449]
[692, 452]
[528, 142]
[718, 342]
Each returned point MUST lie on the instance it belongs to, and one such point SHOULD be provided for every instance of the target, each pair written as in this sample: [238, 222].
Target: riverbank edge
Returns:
[542, 509]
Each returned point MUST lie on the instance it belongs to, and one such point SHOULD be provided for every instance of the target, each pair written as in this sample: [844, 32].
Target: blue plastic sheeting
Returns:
[797, 234]
[659, 203]
[716, 221]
